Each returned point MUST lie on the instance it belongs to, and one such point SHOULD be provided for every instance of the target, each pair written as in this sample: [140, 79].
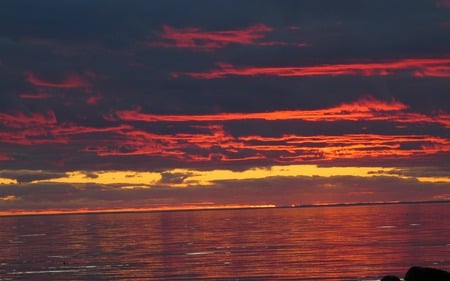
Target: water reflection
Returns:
[350, 243]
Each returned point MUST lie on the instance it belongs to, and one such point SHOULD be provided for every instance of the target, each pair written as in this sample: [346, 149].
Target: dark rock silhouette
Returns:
[390, 278]
[417, 273]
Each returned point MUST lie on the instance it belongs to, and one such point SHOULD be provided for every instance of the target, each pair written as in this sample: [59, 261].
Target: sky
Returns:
[131, 105]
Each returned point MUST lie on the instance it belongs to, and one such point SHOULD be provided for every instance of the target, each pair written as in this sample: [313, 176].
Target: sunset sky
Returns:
[177, 104]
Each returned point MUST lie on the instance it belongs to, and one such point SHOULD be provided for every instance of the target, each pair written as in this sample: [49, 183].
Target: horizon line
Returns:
[84, 211]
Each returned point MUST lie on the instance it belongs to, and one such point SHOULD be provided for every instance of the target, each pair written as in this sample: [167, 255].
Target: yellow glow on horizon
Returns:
[130, 187]
[194, 177]
[434, 179]
[208, 177]
[182, 207]
[8, 198]
[8, 181]
[109, 177]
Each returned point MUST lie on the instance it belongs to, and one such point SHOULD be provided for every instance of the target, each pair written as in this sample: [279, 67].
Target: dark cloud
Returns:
[173, 178]
[283, 191]
[55, 44]
[438, 171]
[91, 175]
[26, 176]
[313, 190]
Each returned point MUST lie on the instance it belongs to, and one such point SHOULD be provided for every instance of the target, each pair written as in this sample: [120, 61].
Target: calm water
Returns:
[329, 243]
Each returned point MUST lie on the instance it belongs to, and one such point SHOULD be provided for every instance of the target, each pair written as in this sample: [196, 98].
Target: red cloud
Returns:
[93, 100]
[352, 146]
[73, 81]
[26, 129]
[420, 67]
[4, 157]
[209, 140]
[35, 119]
[198, 39]
[35, 96]
[367, 108]
[443, 3]
[217, 144]
[287, 148]
[37, 128]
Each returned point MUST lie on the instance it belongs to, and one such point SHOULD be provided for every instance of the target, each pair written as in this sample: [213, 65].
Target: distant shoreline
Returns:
[208, 208]
[367, 204]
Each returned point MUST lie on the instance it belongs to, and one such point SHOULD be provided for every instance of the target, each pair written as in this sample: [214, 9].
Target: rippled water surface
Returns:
[326, 243]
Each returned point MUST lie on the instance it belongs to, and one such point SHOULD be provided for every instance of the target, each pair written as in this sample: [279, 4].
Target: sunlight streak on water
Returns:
[327, 243]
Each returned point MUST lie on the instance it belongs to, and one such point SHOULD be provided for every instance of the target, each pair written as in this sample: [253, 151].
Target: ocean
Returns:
[317, 243]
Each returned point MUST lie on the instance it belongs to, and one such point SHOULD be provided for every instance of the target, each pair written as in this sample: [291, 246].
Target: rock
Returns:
[417, 273]
[390, 278]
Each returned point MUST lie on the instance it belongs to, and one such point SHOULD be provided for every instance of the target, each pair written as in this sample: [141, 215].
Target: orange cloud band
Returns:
[197, 39]
[417, 67]
[368, 109]
[211, 141]
[72, 81]
[279, 149]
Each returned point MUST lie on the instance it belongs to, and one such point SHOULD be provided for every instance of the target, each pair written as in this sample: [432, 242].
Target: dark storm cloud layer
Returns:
[156, 85]
[25, 176]
[301, 190]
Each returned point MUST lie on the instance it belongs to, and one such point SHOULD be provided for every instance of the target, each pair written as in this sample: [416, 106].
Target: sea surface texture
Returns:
[320, 243]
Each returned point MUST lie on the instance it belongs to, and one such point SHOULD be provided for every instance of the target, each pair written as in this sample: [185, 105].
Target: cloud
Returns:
[174, 178]
[26, 176]
[416, 67]
[92, 100]
[422, 173]
[35, 192]
[72, 81]
[37, 96]
[366, 108]
[222, 143]
[39, 128]
[346, 189]
[20, 120]
[65, 196]
[220, 146]
[278, 190]
[131, 178]
[128, 109]
[8, 198]
[355, 131]
[5, 157]
[443, 3]
[197, 39]
[91, 175]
